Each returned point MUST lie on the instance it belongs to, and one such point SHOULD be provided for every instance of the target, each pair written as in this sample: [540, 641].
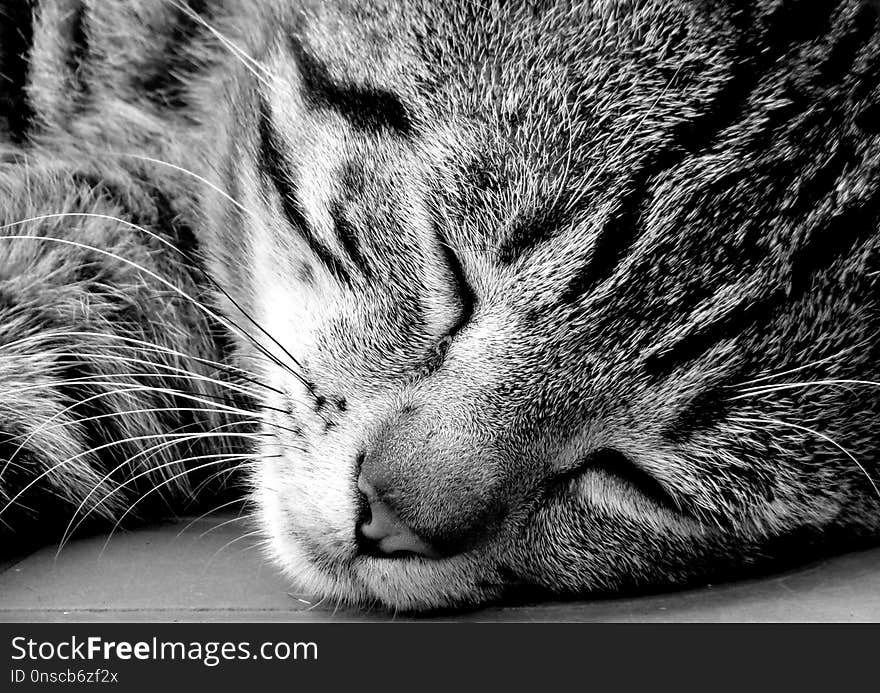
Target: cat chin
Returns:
[323, 569]
[286, 546]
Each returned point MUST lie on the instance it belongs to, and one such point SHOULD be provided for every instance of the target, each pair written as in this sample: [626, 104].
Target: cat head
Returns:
[561, 296]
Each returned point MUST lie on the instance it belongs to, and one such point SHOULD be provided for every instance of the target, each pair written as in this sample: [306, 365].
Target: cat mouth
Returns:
[327, 547]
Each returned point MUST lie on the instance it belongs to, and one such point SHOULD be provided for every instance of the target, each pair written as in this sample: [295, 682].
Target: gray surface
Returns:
[209, 570]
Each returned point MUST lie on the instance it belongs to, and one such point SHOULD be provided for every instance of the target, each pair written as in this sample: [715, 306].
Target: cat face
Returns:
[566, 297]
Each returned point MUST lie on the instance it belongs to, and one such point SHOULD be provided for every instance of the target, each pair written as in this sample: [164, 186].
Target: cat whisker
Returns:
[165, 467]
[117, 414]
[134, 386]
[192, 494]
[212, 480]
[142, 345]
[819, 434]
[812, 364]
[100, 395]
[210, 410]
[104, 446]
[230, 543]
[160, 447]
[256, 434]
[201, 306]
[615, 156]
[177, 372]
[318, 603]
[192, 437]
[189, 470]
[780, 387]
[237, 518]
[109, 378]
[251, 64]
[216, 508]
[192, 174]
[236, 382]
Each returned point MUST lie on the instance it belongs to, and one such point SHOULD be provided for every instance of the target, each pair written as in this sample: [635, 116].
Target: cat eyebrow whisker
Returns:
[255, 67]
[615, 156]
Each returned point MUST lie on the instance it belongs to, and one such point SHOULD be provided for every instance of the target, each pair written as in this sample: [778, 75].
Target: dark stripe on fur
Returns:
[848, 45]
[78, 52]
[732, 324]
[348, 238]
[166, 80]
[789, 25]
[16, 38]
[272, 164]
[466, 297]
[615, 464]
[352, 180]
[708, 407]
[616, 236]
[621, 230]
[836, 240]
[368, 109]
[529, 232]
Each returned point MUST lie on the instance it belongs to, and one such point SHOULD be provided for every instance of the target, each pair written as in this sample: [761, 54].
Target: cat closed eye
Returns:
[615, 464]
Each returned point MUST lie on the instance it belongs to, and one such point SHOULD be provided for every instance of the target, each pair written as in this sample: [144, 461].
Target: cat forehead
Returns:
[503, 103]
[520, 85]
[486, 57]
[525, 110]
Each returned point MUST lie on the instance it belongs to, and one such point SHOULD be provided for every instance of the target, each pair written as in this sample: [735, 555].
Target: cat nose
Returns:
[380, 530]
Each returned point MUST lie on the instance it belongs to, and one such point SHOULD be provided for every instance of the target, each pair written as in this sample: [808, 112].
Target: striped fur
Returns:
[590, 289]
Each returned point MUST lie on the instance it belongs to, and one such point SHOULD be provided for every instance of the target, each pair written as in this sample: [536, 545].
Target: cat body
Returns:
[488, 297]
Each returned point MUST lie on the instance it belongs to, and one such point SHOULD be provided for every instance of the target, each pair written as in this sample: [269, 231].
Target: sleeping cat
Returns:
[482, 298]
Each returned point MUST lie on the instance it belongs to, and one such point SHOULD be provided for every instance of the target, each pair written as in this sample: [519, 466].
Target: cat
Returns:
[476, 299]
